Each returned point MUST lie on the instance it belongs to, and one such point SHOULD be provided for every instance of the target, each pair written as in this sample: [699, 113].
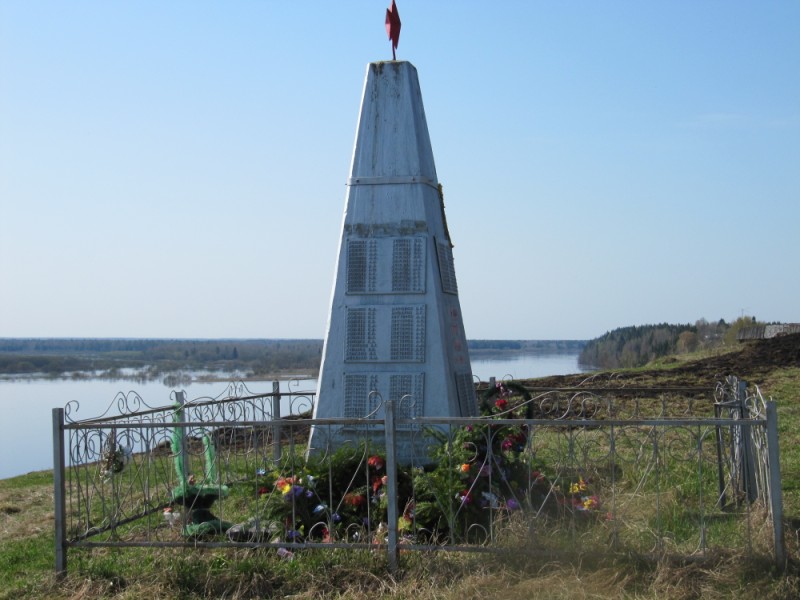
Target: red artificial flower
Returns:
[355, 500]
[284, 484]
[501, 404]
[376, 462]
[464, 497]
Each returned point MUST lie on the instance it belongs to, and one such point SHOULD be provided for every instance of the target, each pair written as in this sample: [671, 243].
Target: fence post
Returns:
[720, 450]
[748, 456]
[59, 489]
[775, 487]
[391, 484]
[276, 416]
[180, 397]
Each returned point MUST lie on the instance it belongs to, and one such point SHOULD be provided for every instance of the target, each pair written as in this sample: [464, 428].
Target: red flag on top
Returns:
[393, 27]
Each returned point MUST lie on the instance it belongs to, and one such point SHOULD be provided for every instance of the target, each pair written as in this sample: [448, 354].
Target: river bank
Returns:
[28, 400]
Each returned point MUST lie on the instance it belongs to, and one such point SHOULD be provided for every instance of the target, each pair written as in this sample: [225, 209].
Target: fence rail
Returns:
[686, 471]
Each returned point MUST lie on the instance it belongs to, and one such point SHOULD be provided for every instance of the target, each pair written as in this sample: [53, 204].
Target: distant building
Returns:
[764, 332]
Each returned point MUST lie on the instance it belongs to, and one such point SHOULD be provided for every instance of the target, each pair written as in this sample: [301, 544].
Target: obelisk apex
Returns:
[395, 329]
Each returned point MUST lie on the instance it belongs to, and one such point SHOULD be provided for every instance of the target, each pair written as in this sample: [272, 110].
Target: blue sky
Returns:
[177, 169]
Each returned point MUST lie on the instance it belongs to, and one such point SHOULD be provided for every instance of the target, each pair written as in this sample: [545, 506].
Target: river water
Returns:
[26, 404]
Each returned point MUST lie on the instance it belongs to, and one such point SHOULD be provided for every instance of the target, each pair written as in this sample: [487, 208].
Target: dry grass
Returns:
[522, 572]
[25, 510]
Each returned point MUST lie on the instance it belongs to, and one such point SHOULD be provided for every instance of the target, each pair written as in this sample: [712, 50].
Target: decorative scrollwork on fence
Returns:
[225, 470]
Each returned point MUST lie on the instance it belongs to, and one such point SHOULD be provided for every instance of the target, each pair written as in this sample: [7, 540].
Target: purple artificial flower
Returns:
[294, 492]
[512, 504]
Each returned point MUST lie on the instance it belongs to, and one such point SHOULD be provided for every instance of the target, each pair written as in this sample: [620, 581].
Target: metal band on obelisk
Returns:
[392, 180]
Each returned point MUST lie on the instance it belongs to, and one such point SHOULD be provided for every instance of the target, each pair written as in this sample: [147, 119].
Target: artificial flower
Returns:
[376, 462]
[490, 499]
[579, 487]
[590, 502]
[464, 497]
[355, 500]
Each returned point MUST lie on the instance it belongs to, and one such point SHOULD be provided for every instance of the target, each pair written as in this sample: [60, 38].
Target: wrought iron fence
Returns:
[685, 471]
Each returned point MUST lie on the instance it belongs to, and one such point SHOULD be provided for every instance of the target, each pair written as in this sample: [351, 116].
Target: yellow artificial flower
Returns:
[577, 488]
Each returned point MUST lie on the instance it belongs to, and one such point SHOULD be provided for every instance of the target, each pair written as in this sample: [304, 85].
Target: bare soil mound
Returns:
[753, 362]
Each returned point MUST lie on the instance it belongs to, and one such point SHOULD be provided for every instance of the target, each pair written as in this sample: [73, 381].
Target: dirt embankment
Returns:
[753, 362]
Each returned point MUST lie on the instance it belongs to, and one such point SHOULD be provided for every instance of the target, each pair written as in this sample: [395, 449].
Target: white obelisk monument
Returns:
[395, 329]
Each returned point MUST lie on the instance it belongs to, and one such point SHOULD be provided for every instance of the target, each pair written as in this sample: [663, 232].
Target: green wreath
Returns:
[491, 393]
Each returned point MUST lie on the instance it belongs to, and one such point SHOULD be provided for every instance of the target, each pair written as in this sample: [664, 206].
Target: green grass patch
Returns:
[36, 478]
[24, 564]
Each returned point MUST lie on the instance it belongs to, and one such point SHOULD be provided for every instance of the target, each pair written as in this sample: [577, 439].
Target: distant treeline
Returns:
[636, 346]
[57, 356]
[155, 357]
[624, 347]
[555, 346]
